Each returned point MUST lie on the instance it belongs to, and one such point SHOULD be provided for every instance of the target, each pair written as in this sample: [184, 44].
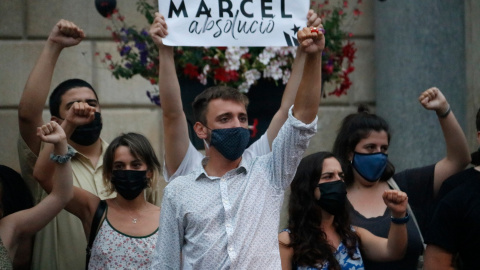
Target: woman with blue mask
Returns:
[362, 145]
[319, 234]
[124, 232]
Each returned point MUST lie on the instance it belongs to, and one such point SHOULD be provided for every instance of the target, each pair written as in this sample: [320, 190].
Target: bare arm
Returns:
[28, 222]
[436, 258]
[292, 85]
[80, 113]
[176, 140]
[309, 92]
[458, 155]
[83, 204]
[286, 252]
[63, 34]
[381, 249]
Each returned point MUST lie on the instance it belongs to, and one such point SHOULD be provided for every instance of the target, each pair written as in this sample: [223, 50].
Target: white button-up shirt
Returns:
[231, 222]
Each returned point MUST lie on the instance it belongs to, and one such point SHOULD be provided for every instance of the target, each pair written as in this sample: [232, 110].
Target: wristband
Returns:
[65, 158]
[446, 113]
[402, 220]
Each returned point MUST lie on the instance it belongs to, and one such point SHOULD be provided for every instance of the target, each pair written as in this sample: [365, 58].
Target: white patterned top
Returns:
[231, 222]
[114, 250]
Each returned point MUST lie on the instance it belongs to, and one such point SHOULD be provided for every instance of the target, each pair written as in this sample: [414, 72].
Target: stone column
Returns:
[418, 44]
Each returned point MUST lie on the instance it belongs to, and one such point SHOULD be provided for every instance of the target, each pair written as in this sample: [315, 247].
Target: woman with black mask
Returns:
[319, 234]
[125, 236]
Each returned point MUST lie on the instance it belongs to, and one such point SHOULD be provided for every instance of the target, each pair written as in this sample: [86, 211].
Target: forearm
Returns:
[288, 97]
[35, 94]
[174, 121]
[397, 241]
[45, 168]
[457, 156]
[62, 182]
[309, 93]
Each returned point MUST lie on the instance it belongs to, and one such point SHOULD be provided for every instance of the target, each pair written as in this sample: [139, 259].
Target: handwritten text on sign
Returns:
[233, 22]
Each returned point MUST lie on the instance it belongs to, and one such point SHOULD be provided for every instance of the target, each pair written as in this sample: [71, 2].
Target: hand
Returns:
[51, 132]
[66, 34]
[433, 99]
[158, 29]
[313, 20]
[396, 201]
[80, 113]
[311, 42]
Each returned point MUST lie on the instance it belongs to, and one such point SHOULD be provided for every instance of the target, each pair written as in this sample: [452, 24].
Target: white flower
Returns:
[202, 79]
[286, 76]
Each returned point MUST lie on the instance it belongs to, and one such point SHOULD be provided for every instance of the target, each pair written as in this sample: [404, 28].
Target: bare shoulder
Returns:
[284, 238]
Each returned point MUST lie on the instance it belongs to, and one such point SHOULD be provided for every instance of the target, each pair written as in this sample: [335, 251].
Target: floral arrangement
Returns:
[239, 67]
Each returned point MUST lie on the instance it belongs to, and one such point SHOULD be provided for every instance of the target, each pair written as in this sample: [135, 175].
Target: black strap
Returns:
[102, 205]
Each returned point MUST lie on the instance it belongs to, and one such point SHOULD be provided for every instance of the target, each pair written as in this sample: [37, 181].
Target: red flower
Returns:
[349, 50]
[221, 75]
[357, 12]
[246, 56]
[254, 128]
[153, 81]
[191, 71]
[328, 69]
[233, 75]
[345, 4]
[108, 56]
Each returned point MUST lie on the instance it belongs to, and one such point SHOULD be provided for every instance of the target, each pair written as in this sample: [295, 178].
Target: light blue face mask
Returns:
[370, 166]
[230, 142]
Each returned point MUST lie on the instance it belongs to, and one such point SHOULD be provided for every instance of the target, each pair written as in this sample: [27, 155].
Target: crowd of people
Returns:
[95, 205]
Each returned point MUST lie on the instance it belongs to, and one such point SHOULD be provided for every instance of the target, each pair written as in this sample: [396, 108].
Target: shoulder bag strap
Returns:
[97, 218]
[394, 185]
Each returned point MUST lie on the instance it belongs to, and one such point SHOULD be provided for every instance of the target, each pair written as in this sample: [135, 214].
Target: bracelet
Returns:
[446, 113]
[402, 220]
[65, 158]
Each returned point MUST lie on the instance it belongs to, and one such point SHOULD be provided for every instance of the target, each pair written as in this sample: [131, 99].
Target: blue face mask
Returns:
[370, 166]
[230, 142]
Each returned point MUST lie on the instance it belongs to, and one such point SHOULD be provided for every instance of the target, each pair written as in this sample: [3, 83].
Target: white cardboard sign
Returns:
[253, 23]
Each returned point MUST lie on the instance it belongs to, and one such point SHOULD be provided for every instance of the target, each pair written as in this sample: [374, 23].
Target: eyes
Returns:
[135, 165]
[372, 148]
[332, 176]
[226, 118]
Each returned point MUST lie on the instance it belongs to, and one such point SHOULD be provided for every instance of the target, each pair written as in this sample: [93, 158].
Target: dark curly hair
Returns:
[307, 239]
[354, 128]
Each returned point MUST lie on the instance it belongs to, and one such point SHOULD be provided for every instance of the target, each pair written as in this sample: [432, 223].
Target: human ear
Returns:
[56, 119]
[200, 130]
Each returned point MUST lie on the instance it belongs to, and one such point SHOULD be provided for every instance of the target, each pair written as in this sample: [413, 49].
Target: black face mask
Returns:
[332, 197]
[88, 134]
[129, 183]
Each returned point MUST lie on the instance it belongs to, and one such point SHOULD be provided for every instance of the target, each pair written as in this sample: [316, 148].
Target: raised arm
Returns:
[458, 155]
[83, 204]
[176, 140]
[292, 85]
[309, 91]
[30, 221]
[382, 249]
[64, 34]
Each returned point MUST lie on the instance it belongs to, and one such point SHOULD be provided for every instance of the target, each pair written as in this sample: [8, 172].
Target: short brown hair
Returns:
[200, 104]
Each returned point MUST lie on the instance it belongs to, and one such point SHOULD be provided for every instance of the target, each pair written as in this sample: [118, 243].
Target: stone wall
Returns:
[25, 25]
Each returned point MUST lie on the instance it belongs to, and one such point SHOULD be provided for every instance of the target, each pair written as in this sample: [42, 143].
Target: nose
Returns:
[236, 123]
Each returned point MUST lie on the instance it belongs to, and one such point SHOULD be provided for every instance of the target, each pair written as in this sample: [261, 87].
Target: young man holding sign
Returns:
[181, 157]
[224, 214]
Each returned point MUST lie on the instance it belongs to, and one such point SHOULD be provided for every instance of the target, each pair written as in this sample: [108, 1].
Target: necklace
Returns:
[134, 220]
